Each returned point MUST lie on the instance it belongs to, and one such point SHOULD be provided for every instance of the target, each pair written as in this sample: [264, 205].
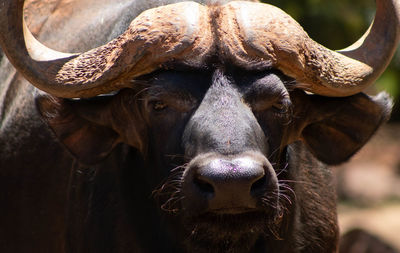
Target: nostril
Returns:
[259, 185]
[203, 186]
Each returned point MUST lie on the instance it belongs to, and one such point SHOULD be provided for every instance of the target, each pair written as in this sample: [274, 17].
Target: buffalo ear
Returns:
[88, 141]
[337, 128]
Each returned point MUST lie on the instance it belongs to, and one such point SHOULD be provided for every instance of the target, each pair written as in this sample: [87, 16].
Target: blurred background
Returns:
[369, 185]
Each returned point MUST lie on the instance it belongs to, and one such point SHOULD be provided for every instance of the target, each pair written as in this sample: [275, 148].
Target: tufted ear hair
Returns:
[334, 129]
[88, 139]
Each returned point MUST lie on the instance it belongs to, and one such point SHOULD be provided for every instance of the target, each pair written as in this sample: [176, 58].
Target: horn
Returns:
[265, 35]
[155, 37]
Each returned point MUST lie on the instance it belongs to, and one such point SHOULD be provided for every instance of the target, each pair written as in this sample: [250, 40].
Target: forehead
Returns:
[202, 79]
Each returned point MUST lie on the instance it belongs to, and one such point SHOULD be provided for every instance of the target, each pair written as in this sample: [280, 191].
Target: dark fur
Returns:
[107, 174]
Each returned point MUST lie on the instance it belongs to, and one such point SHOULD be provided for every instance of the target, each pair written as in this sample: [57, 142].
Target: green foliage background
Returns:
[337, 24]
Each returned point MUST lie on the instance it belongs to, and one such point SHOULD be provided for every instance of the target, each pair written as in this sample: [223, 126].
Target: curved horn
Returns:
[266, 34]
[153, 38]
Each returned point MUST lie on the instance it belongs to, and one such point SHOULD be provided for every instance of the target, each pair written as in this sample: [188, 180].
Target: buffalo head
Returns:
[216, 99]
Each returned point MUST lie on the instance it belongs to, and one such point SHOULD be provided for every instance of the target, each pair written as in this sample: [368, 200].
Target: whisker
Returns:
[169, 205]
[287, 198]
[283, 170]
[293, 181]
[169, 193]
[285, 187]
[175, 156]
[273, 153]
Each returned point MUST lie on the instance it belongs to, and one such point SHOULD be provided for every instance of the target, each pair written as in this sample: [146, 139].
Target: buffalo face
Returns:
[227, 128]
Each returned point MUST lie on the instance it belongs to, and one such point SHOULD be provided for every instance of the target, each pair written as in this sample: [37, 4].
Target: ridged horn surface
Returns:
[178, 32]
[264, 34]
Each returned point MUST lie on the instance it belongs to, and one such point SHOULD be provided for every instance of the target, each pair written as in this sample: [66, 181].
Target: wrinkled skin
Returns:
[103, 174]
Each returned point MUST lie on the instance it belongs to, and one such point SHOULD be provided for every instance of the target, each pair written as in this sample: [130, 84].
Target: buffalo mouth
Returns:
[222, 232]
[233, 227]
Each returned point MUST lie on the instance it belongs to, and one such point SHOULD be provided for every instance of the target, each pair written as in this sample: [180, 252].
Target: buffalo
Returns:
[180, 127]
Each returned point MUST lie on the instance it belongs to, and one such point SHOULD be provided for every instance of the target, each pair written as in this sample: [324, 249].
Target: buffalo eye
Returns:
[159, 106]
[282, 106]
[282, 109]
